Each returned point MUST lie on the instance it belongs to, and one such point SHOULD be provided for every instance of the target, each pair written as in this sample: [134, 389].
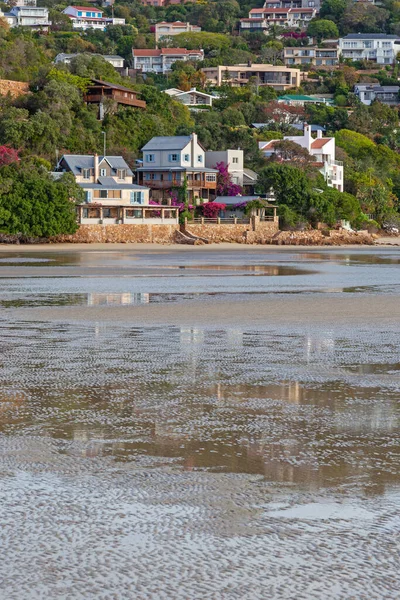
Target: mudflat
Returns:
[199, 423]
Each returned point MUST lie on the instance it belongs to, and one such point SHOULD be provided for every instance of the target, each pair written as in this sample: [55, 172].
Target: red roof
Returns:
[319, 143]
[88, 8]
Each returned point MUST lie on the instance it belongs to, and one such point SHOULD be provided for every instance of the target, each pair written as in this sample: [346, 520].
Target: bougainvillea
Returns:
[8, 155]
[211, 209]
[225, 186]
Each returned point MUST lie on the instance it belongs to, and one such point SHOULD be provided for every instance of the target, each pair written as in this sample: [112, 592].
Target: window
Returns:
[103, 173]
[149, 158]
[79, 13]
[186, 157]
[210, 177]
[137, 197]
[121, 173]
[88, 196]
[103, 193]
[200, 158]
[173, 157]
[86, 173]
[106, 213]
[235, 160]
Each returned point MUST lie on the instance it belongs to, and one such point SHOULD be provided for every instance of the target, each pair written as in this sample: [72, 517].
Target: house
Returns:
[191, 98]
[111, 197]
[280, 78]
[20, 2]
[368, 92]
[166, 30]
[28, 16]
[303, 100]
[84, 17]
[170, 162]
[98, 92]
[312, 55]
[321, 148]
[262, 19]
[293, 4]
[116, 61]
[161, 60]
[235, 207]
[377, 47]
[232, 158]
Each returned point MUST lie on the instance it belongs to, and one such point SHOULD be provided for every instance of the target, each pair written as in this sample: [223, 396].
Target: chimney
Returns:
[193, 148]
[307, 136]
[96, 167]
[319, 134]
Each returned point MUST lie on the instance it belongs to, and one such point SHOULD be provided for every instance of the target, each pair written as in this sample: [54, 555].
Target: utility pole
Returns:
[105, 139]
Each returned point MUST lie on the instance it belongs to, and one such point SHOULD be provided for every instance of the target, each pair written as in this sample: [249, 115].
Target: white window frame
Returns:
[150, 158]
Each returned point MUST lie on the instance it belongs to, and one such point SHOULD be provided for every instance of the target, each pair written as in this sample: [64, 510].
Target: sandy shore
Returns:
[165, 248]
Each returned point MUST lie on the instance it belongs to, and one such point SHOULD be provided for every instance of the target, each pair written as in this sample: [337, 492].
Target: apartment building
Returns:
[321, 148]
[166, 30]
[377, 47]
[169, 161]
[311, 55]
[280, 78]
[261, 19]
[161, 60]
[369, 92]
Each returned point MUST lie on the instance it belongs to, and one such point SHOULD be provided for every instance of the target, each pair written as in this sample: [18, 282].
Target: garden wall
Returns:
[248, 233]
[101, 234]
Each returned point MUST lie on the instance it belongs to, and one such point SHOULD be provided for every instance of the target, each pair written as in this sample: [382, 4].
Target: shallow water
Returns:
[218, 461]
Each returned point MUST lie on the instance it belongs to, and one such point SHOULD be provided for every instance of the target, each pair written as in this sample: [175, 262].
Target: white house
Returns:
[171, 161]
[377, 47]
[28, 16]
[111, 197]
[368, 92]
[232, 158]
[161, 60]
[84, 17]
[116, 61]
[262, 19]
[192, 98]
[166, 30]
[321, 148]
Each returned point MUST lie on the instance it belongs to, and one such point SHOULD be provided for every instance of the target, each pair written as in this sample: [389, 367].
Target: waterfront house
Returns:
[322, 149]
[170, 162]
[111, 197]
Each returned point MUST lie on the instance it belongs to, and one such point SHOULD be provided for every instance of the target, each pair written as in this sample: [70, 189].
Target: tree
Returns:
[363, 18]
[322, 29]
[32, 203]
[333, 9]
[290, 151]
[8, 155]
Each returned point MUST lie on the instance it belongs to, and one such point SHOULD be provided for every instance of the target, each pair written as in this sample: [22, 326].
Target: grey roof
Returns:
[77, 162]
[375, 87]
[63, 56]
[300, 127]
[249, 176]
[177, 142]
[111, 185]
[233, 200]
[370, 36]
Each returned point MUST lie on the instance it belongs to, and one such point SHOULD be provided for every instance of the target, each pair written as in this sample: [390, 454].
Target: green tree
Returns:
[322, 29]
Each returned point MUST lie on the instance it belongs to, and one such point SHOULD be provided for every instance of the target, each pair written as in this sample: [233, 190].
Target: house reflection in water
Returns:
[117, 299]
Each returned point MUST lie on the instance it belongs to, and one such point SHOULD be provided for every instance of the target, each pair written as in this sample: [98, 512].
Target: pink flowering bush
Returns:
[225, 187]
[211, 209]
[8, 155]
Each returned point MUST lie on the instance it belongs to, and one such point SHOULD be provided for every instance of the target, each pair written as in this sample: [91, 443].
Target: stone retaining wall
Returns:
[141, 234]
[248, 233]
